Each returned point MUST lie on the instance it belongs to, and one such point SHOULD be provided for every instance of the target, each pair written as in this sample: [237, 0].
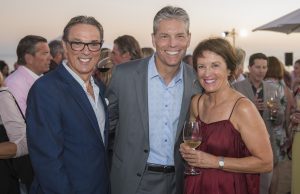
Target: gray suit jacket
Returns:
[128, 109]
[245, 88]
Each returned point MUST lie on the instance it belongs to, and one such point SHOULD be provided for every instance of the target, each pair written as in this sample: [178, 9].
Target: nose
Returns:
[86, 50]
[173, 41]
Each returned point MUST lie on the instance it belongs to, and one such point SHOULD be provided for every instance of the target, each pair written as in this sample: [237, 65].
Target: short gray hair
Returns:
[56, 48]
[82, 20]
[170, 12]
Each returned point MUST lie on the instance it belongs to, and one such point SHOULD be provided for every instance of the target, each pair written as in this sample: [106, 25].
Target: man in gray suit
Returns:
[148, 104]
[258, 91]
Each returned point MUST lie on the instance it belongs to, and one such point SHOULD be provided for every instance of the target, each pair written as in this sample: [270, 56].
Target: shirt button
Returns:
[166, 140]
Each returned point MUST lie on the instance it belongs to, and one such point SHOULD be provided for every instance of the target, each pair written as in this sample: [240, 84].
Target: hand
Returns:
[295, 118]
[198, 158]
[260, 105]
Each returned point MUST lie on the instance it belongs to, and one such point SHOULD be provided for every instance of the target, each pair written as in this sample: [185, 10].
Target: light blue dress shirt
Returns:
[96, 104]
[164, 105]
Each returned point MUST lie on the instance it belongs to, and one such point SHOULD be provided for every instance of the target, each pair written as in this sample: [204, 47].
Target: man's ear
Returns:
[28, 58]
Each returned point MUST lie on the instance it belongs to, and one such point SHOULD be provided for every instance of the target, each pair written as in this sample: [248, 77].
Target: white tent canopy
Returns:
[287, 24]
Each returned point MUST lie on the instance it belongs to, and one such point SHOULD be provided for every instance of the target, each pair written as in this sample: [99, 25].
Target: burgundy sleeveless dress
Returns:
[222, 139]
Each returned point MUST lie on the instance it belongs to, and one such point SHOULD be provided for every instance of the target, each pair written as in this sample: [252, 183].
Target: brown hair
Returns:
[221, 47]
[275, 68]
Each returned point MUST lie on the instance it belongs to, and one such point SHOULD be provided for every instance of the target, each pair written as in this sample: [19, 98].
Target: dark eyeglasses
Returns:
[79, 46]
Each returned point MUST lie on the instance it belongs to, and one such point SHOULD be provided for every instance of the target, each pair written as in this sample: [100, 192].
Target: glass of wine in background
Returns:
[272, 105]
[192, 136]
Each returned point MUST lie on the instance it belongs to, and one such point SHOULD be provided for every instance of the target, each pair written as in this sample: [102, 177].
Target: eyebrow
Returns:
[92, 41]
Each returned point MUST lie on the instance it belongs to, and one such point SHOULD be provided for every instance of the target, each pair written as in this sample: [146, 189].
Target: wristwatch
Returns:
[221, 162]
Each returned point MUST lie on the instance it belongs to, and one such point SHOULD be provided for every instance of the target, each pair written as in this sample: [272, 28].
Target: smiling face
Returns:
[171, 41]
[258, 70]
[212, 72]
[82, 62]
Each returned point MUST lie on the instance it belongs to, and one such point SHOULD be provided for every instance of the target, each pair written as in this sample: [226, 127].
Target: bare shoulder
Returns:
[194, 105]
[195, 99]
[244, 110]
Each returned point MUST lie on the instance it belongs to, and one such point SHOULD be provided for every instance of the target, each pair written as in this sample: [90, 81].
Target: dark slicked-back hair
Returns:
[170, 12]
[221, 47]
[256, 56]
[82, 20]
[127, 43]
[27, 45]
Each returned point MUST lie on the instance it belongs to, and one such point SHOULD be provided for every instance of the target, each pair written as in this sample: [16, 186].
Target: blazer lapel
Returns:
[186, 98]
[80, 97]
[249, 90]
[141, 84]
[106, 118]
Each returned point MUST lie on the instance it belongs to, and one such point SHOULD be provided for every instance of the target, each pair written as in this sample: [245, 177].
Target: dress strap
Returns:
[234, 105]
[198, 104]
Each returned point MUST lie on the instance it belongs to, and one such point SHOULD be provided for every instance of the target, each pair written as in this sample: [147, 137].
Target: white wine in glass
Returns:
[272, 104]
[192, 136]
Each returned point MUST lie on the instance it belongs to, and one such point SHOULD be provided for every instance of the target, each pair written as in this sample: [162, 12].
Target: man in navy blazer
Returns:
[67, 118]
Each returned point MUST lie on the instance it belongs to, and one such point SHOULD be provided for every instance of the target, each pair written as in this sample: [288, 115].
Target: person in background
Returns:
[294, 137]
[67, 119]
[148, 104]
[188, 59]
[126, 48]
[279, 129]
[296, 72]
[238, 74]
[4, 69]
[33, 58]
[259, 92]
[103, 70]
[57, 53]
[147, 51]
[234, 148]
[13, 139]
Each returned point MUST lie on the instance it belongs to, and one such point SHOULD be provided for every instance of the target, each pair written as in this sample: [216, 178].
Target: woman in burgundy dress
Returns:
[235, 143]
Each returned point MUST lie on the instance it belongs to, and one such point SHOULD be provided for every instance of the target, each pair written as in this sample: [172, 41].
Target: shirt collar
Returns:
[34, 75]
[154, 73]
[76, 77]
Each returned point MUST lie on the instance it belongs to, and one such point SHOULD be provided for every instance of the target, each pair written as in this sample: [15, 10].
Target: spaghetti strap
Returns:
[234, 105]
[198, 104]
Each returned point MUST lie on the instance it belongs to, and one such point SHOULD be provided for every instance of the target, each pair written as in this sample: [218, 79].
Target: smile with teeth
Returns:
[172, 52]
[209, 81]
[84, 60]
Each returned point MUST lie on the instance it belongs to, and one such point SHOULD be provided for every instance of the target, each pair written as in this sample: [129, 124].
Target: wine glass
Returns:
[192, 136]
[272, 105]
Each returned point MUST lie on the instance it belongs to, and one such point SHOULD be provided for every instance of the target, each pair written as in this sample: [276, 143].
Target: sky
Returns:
[208, 18]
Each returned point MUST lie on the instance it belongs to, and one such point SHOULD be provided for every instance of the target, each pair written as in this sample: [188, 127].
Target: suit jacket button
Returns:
[146, 151]
[138, 174]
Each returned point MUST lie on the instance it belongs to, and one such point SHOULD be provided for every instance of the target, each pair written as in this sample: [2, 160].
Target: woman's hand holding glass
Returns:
[198, 158]
[192, 137]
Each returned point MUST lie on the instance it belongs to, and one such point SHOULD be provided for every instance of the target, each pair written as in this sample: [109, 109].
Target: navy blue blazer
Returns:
[64, 140]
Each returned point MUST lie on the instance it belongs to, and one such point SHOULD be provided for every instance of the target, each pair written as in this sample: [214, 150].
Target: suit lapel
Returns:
[249, 90]
[186, 97]
[141, 84]
[106, 118]
[80, 97]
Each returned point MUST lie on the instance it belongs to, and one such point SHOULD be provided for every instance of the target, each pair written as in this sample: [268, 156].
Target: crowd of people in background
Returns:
[79, 118]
